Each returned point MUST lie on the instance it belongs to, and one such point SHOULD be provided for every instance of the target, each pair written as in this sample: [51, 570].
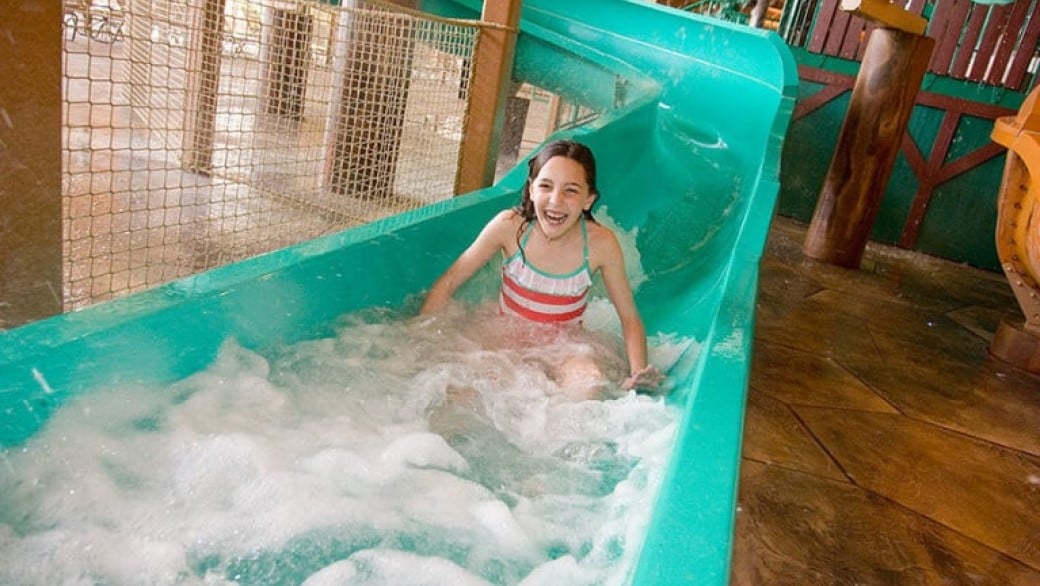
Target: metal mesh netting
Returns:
[199, 135]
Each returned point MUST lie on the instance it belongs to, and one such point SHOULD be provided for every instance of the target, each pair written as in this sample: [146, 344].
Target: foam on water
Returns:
[401, 451]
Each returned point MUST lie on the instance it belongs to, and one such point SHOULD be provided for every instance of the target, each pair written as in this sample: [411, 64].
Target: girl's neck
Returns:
[564, 239]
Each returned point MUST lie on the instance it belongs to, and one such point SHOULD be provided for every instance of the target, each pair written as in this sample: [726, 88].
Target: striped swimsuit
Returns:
[536, 295]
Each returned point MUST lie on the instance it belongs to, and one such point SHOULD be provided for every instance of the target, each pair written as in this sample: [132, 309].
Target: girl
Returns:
[552, 246]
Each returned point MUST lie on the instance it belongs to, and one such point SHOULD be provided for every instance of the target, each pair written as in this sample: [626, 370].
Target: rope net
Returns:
[199, 135]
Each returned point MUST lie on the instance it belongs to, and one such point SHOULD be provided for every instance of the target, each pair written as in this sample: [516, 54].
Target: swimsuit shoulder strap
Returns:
[523, 242]
[527, 233]
[585, 240]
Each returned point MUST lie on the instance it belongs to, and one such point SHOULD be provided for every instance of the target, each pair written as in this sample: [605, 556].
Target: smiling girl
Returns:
[552, 247]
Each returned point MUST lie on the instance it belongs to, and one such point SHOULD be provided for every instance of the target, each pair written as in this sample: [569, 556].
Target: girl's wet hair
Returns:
[570, 149]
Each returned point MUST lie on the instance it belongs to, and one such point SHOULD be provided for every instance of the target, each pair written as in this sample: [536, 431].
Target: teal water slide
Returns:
[693, 113]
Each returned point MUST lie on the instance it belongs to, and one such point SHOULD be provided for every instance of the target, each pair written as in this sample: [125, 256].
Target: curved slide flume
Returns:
[690, 150]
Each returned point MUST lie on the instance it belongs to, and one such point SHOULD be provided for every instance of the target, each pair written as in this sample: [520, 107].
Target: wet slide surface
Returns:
[694, 114]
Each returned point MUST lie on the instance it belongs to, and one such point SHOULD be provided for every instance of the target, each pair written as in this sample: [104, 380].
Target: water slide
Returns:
[693, 113]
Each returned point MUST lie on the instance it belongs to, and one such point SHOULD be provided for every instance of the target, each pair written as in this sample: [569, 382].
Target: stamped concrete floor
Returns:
[882, 443]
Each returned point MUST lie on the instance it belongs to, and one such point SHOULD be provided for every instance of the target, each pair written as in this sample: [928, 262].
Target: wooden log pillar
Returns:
[203, 82]
[30, 163]
[883, 97]
[490, 85]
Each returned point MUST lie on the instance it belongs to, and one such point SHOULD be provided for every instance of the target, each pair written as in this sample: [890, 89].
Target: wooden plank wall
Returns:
[984, 43]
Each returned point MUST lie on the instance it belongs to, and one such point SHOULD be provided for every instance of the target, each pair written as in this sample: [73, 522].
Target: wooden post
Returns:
[883, 97]
[553, 116]
[202, 85]
[492, 74]
[30, 163]
[366, 140]
[288, 53]
[513, 127]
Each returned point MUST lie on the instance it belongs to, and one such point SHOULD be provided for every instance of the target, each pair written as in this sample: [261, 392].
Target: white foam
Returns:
[384, 566]
[564, 570]
[496, 517]
[423, 450]
[629, 250]
[391, 453]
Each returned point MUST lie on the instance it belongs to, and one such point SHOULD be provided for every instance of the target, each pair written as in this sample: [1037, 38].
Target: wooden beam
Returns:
[490, 84]
[886, 14]
[376, 82]
[30, 163]
[879, 110]
[202, 85]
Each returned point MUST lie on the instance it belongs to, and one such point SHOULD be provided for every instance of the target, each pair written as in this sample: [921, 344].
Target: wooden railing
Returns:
[990, 44]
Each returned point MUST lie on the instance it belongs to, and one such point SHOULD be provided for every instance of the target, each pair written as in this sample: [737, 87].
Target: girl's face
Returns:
[560, 193]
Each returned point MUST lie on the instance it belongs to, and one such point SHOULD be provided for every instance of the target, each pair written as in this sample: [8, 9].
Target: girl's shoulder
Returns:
[604, 246]
[502, 228]
[600, 234]
[506, 220]
[508, 216]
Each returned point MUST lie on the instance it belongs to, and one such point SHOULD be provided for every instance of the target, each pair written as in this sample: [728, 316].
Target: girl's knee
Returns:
[581, 379]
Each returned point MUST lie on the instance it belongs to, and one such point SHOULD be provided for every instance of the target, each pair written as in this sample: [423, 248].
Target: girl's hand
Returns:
[647, 378]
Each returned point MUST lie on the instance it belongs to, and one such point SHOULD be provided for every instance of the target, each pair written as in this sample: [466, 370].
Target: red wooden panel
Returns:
[943, 140]
[976, 109]
[937, 29]
[946, 45]
[853, 38]
[976, 42]
[998, 17]
[818, 100]
[823, 25]
[973, 30]
[1008, 41]
[969, 162]
[836, 36]
[1024, 53]
[914, 156]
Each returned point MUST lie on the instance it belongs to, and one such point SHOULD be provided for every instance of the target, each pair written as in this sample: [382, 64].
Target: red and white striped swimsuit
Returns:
[534, 294]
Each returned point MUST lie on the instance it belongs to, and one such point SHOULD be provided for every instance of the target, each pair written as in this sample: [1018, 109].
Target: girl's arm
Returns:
[612, 266]
[492, 238]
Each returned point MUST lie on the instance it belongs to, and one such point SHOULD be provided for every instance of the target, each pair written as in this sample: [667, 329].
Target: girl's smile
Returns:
[560, 194]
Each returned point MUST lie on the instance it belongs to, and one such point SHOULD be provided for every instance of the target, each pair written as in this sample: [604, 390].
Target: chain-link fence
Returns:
[195, 136]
